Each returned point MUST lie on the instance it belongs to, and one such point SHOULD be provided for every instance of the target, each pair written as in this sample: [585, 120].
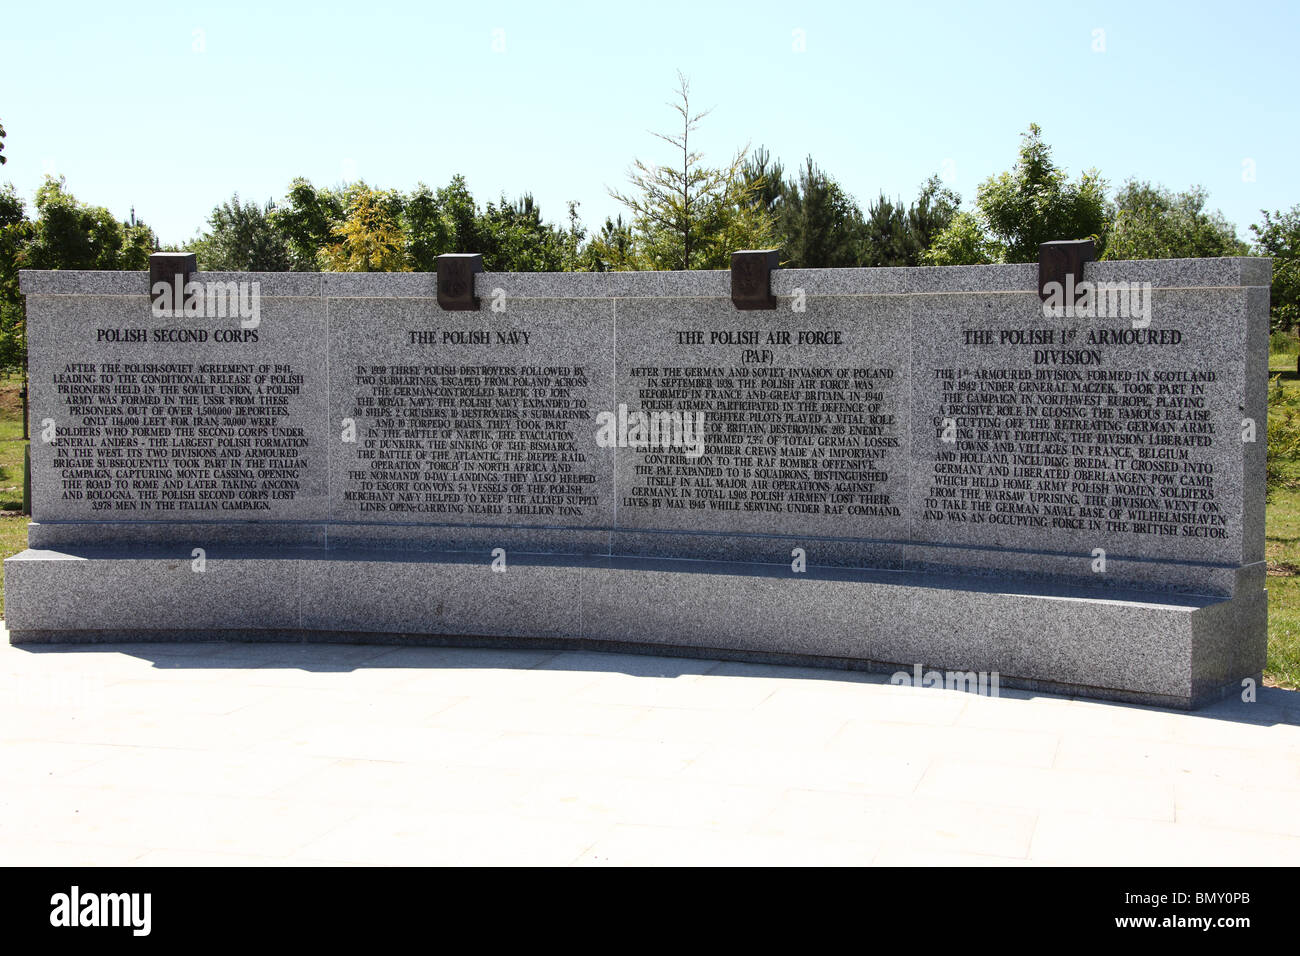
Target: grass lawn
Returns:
[1282, 551]
[13, 523]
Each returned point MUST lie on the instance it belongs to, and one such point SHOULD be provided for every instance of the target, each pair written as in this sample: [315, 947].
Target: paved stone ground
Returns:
[214, 754]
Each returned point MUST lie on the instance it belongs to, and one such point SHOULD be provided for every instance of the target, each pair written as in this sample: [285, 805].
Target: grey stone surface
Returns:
[767, 445]
[197, 436]
[476, 431]
[538, 285]
[1227, 272]
[1254, 408]
[1019, 277]
[1195, 491]
[53, 535]
[1223, 654]
[452, 594]
[150, 589]
[906, 281]
[606, 285]
[1135, 644]
[480, 538]
[771, 549]
[273, 284]
[82, 282]
[79, 283]
[1078, 569]
[492, 422]
[1169, 650]
[381, 285]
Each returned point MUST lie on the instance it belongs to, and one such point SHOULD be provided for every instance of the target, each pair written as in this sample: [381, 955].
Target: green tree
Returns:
[442, 221]
[933, 211]
[363, 229]
[15, 232]
[574, 236]
[515, 239]
[1035, 202]
[139, 243]
[66, 234]
[819, 224]
[13, 338]
[963, 243]
[612, 249]
[887, 239]
[69, 234]
[898, 235]
[1279, 237]
[1283, 436]
[3, 158]
[370, 237]
[692, 216]
[427, 234]
[1151, 222]
[461, 214]
[764, 177]
[307, 220]
[739, 224]
[243, 237]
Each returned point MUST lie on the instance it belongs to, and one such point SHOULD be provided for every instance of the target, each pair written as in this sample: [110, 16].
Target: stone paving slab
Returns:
[212, 754]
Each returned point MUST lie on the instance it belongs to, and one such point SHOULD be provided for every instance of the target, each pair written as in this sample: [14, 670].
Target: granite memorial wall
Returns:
[859, 467]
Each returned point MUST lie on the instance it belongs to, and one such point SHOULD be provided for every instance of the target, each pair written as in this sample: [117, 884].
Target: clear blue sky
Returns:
[136, 108]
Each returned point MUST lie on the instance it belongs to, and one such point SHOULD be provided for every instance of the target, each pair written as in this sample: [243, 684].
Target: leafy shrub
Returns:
[1283, 435]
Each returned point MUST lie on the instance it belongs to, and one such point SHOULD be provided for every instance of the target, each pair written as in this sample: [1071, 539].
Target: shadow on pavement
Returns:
[1273, 705]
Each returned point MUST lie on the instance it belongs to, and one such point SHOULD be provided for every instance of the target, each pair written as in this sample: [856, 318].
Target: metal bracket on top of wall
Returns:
[751, 278]
[1064, 257]
[168, 267]
[456, 281]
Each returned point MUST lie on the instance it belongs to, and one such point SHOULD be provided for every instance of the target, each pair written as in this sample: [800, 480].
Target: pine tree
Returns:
[692, 216]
